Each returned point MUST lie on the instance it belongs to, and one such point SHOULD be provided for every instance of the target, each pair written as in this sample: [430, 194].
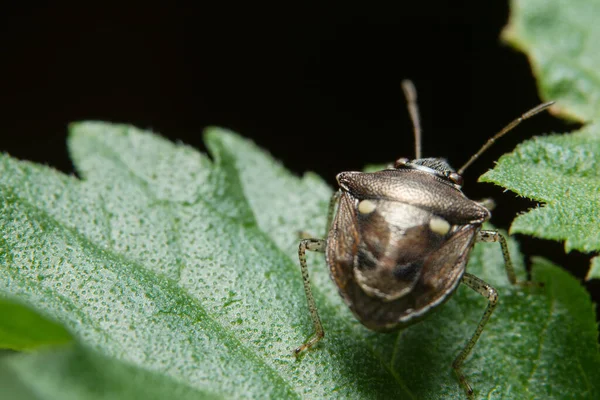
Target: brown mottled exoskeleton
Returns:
[399, 242]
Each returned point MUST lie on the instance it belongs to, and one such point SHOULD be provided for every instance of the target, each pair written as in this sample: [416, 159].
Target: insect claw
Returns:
[299, 351]
[462, 379]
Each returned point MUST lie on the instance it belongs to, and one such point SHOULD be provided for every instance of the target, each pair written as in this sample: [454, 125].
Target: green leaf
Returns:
[23, 329]
[561, 39]
[76, 373]
[374, 167]
[561, 171]
[177, 274]
[594, 272]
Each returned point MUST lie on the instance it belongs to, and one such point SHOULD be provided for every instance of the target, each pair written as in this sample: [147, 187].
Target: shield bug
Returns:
[400, 238]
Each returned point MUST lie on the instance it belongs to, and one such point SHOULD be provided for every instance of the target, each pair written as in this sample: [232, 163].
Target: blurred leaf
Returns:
[23, 329]
[594, 272]
[75, 373]
[561, 39]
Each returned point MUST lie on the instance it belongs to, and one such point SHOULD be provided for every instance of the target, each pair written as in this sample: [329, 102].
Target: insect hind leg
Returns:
[312, 245]
[491, 294]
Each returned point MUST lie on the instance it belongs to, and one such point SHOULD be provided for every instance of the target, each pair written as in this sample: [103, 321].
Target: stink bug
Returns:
[399, 241]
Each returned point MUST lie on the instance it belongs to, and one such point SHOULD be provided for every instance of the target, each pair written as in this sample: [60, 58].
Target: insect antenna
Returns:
[413, 109]
[505, 130]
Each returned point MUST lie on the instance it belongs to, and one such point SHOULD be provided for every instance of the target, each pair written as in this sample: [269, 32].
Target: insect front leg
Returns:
[495, 236]
[312, 245]
[491, 294]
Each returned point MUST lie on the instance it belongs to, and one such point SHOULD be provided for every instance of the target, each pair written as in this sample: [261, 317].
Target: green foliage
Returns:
[563, 172]
[75, 373]
[23, 329]
[177, 275]
[562, 41]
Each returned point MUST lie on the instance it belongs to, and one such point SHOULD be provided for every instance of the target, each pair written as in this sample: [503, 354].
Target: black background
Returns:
[317, 86]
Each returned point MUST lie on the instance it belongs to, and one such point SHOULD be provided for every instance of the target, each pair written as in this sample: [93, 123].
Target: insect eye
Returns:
[401, 162]
[456, 178]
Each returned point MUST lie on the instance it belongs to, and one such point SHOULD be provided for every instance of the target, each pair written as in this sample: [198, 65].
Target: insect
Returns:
[399, 242]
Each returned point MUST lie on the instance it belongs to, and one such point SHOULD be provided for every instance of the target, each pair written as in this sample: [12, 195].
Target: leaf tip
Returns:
[509, 36]
[214, 133]
[594, 271]
[84, 127]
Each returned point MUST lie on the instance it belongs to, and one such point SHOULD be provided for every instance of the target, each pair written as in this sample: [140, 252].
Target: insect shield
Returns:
[400, 238]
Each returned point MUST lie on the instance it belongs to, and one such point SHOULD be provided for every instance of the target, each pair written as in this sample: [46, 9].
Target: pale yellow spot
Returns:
[439, 225]
[366, 207]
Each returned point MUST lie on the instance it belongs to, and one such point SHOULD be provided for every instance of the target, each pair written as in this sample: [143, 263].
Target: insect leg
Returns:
[490, 293]
[312, 245]
[332, 202]
[495, 236]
